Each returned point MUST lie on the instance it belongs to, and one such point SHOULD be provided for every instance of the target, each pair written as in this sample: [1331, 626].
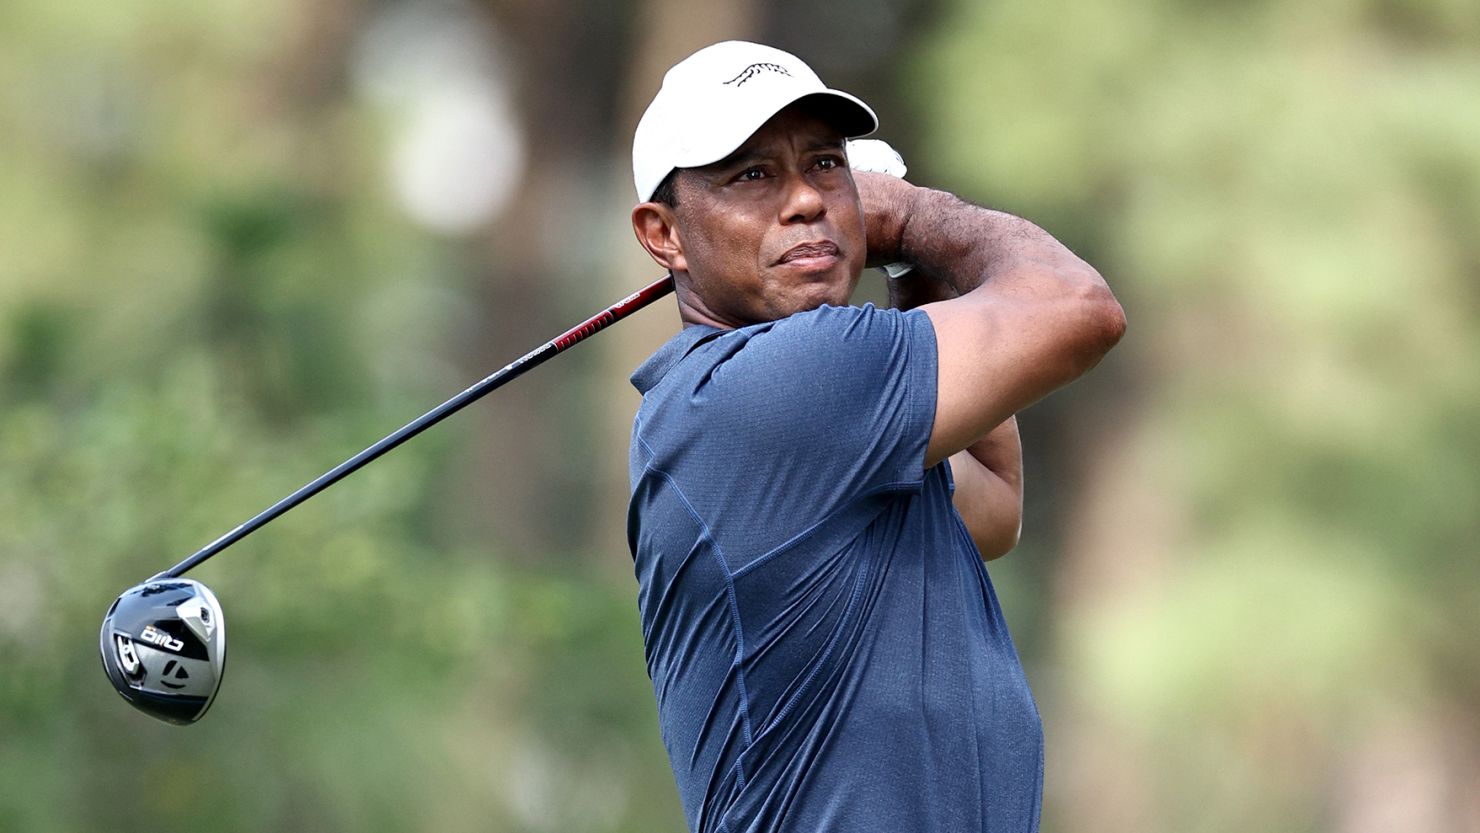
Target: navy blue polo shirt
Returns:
[824, 642]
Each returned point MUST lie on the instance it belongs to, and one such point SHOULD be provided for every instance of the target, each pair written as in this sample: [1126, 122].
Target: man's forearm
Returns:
[989, 489]
[959, 243]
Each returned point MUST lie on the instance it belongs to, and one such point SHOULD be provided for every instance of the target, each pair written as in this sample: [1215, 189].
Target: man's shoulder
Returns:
[826, 340]
[828, 321]
[815, 335]
[831, 342]
[803, 372]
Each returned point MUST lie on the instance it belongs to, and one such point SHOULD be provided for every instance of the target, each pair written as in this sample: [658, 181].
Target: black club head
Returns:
[164, 648]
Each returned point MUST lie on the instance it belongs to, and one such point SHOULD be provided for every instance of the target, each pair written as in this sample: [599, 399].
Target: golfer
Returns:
[816, 486]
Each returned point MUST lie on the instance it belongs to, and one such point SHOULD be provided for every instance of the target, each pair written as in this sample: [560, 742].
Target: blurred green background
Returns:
[239, 241]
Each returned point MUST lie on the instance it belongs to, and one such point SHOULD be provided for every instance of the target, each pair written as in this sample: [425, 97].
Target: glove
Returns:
[876, 156]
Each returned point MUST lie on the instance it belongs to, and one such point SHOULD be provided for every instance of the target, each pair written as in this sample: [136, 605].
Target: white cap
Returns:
[713, 100]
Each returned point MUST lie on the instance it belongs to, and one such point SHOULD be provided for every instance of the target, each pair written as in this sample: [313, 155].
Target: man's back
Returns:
[823, 639]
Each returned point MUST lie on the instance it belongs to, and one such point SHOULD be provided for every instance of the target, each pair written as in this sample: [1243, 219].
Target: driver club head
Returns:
[164, 648]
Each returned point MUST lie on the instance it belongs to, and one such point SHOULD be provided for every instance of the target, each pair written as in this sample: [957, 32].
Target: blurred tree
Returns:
[207, 296]
[1267, 592]
[219, 276]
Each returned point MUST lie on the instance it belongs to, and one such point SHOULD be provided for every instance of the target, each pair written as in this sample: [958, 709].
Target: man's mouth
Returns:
[819, 253]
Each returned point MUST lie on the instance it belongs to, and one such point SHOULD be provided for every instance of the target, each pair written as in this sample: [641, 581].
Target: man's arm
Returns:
[1030, 317]
[989, 472]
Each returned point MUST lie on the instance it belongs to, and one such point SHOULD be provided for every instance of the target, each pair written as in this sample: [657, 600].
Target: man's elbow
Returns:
[1107, 317]
[1100, 324]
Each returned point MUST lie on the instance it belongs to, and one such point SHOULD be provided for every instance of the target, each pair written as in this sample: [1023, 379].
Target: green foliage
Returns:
[205, 301]
[372, 683]
[1284, 196]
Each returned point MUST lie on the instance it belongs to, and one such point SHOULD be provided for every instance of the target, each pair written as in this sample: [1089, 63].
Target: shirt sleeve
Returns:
[815, 411]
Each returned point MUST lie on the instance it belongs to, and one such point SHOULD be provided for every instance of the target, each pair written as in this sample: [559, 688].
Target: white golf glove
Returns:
[875, 155]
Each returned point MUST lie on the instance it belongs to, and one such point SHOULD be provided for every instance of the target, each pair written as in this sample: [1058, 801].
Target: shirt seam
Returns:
[738, 663]
[925, 407]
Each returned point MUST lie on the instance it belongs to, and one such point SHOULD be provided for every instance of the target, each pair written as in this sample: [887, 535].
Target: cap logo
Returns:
[756, 69]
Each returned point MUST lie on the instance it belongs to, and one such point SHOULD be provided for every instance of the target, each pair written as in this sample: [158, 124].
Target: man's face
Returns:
[776, 227]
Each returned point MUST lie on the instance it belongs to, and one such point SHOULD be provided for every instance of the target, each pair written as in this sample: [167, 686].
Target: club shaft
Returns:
[575, 335]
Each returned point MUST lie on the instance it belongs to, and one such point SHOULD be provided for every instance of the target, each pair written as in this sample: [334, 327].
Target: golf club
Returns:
[164, 641]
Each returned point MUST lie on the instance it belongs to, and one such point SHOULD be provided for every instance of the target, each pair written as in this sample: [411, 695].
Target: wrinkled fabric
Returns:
[824, 641]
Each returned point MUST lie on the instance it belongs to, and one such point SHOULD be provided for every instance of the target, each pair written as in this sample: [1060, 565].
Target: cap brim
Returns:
[847, 113]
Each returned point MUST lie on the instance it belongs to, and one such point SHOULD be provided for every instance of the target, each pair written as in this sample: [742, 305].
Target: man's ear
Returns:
[656, 228]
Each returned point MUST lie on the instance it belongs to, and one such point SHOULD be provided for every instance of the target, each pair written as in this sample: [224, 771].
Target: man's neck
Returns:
[692, 310]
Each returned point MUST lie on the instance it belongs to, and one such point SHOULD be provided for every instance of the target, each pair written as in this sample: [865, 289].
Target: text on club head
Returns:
[161, 639]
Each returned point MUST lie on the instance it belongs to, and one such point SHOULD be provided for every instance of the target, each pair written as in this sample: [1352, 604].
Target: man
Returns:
[815, 486]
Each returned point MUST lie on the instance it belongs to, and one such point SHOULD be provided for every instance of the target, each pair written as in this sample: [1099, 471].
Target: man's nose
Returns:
[803, 202]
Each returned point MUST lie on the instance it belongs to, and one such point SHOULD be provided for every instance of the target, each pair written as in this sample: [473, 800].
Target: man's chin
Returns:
[812, 296]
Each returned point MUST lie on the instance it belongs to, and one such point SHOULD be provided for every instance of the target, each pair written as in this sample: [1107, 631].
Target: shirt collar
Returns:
[652, 371]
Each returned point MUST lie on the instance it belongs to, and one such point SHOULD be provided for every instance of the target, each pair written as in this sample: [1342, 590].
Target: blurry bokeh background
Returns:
[241, 240]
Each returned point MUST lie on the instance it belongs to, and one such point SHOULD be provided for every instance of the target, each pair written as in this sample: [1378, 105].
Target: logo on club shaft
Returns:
[159, 638]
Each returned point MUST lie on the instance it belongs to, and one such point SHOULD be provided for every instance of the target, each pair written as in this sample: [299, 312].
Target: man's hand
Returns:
[877, 156]
[886, 206]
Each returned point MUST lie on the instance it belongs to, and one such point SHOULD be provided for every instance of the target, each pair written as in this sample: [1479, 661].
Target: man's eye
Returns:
[751, 175]
[828, 163]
